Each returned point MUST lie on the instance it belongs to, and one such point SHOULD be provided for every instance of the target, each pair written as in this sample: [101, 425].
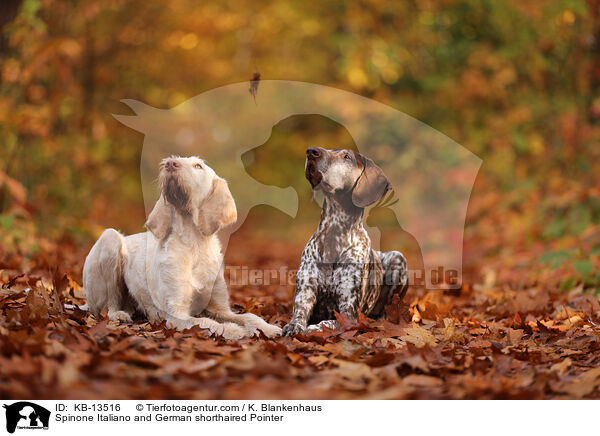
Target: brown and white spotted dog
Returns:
[338, 270]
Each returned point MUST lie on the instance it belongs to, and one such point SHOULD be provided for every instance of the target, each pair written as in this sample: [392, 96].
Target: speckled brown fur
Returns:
[338, 270]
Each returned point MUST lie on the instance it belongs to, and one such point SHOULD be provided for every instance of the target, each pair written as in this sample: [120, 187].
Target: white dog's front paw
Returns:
[255, 324]
[232, 332]
[270, 330]
[119, 316]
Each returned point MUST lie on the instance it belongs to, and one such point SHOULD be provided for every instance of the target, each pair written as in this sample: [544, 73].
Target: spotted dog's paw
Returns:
[314, 328]
[292, 329]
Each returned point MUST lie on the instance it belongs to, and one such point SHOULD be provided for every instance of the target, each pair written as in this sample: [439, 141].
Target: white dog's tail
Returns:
[103, 282]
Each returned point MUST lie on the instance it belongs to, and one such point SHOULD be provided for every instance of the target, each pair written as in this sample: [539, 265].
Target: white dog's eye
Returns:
[198, 166]
[347, 156]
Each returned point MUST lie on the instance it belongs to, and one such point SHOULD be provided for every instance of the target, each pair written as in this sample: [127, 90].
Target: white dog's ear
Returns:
[160, 219]
[217, 211]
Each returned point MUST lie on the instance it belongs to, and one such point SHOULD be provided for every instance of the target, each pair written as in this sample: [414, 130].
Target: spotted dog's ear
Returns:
[160, 219]
[217, 211]
[370, 186]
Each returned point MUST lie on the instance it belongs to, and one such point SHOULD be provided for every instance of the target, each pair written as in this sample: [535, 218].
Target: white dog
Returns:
[174, 272]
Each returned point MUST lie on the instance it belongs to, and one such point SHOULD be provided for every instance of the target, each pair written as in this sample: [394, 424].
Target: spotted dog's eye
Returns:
[347, 156]
[198, 166]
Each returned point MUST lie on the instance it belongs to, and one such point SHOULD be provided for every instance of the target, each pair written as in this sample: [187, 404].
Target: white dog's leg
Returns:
[253, 323]
[226, 330]
[103, 282]
[171, 301]
[219, 308]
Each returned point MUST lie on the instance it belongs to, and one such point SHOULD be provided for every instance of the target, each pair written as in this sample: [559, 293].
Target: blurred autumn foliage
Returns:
[517, 83]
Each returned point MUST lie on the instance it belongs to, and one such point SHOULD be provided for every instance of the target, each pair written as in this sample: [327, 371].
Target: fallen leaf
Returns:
[419, 336]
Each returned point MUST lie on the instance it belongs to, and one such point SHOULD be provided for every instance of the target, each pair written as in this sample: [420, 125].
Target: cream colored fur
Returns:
[173, 272]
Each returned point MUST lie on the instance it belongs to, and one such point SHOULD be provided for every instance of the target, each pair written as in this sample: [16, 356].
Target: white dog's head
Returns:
[191, 188]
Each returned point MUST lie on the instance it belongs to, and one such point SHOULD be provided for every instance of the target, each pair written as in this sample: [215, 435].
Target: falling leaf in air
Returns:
[254, 85]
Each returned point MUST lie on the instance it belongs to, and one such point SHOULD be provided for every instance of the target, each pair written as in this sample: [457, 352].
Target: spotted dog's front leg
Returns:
[305, 298]
[348, 278]
[328, 323]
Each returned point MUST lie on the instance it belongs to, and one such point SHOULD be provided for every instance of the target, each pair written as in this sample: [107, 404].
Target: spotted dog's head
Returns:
[191, 188]
[342, 173]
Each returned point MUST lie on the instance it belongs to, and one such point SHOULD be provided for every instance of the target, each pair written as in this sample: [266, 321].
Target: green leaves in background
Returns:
[580, 264]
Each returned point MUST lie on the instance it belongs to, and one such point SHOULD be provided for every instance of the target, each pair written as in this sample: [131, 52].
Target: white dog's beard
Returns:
[175, 193]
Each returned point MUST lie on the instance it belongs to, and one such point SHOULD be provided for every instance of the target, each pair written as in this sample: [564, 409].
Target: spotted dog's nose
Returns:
[172, 165]
[313, 153]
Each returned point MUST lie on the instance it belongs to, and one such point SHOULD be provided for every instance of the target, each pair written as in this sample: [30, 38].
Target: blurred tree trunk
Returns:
[8, 12]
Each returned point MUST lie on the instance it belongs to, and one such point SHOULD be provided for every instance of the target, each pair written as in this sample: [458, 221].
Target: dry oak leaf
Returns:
[16, 190]
[351, 370]
[561, 367]
[584, 385]
[318, 360]
[379, 359]
[422, 381]
[395, 343]
[414, 362]
[345, 348]
[514, 336]
[419, 336]
[346, 324]
[450, 333]
[398, 311]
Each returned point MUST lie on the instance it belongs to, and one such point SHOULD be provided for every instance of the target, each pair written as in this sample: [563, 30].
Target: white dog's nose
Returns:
[172, 165]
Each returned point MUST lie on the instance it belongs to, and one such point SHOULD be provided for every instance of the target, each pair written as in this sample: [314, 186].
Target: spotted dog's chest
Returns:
[335, 263]
[332, 254]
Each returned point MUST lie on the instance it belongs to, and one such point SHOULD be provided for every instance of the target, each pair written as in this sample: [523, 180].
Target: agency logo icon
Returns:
[26, 415]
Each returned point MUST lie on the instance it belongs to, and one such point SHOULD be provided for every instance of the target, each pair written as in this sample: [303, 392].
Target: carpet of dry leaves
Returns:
[486, 341]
